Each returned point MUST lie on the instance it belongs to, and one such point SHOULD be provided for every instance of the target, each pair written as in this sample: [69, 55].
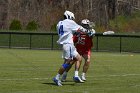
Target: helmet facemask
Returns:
[86, 26]
[85, 23]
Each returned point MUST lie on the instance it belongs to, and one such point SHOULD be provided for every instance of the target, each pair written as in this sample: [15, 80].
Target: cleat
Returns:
[78, 79]
[57, 82]
[64, 78]
[83, 78]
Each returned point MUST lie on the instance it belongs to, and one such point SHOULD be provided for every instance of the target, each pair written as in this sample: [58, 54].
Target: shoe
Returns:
[64, 78]
[57, 82]
[83, 78]
[78, 79]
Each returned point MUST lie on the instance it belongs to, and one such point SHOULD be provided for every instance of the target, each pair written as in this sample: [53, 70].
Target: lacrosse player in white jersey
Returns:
[65, 29]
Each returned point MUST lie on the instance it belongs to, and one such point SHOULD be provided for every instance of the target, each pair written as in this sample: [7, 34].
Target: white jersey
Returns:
[65, 29]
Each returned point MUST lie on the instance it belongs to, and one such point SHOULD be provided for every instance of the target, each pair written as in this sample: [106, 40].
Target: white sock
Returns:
[58, 76]
[76, 73]
[83, 74]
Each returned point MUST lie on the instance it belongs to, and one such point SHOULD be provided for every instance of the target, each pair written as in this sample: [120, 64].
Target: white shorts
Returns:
[69, 51]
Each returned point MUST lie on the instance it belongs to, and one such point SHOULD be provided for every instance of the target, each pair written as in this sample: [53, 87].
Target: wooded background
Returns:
[48, 12]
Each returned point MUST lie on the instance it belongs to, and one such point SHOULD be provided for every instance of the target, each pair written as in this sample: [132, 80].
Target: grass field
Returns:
[31, 71]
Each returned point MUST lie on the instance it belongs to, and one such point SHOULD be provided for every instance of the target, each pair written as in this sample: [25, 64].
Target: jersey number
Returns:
[61, 31]
[81, 40]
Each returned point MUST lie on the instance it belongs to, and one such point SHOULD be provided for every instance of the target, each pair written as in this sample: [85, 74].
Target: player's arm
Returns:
[77, 28]
[89, 32]
[75, 38]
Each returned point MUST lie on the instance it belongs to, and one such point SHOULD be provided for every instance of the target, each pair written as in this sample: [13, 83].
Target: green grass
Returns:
[31, 71]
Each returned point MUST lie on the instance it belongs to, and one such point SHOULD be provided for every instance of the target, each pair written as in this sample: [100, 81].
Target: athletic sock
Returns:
[83, 74]
[76, 73]
[57, 76]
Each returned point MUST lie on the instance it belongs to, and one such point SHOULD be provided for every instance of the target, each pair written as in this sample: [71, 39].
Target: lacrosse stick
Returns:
[92, 25]
[108, 32]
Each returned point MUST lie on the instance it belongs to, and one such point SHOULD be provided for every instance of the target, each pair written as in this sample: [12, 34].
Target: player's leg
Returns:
[67, 62]
[64, 76]
[86, 65]
[76, 77]
[77, 67]
[66, 65]
[77, 61]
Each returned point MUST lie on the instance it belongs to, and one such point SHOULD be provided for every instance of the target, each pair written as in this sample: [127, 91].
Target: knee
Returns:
[87, 62]
[78, 58]
[66, 65]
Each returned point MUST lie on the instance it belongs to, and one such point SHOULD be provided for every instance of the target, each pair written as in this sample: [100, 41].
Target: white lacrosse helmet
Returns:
[69, 15]
[85, 22]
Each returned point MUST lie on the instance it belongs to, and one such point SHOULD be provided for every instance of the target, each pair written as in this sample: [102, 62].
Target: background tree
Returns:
[48, 12]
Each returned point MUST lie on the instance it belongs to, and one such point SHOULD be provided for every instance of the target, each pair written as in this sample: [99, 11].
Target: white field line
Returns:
[36, 78]
[20, 79]
[116, 75]
[115, 55]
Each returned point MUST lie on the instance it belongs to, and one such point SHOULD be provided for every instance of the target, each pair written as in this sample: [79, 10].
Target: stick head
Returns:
[108, 33]
[91, 25]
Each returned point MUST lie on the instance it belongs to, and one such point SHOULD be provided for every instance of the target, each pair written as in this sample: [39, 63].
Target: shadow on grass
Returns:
[68, 82]
[71, 84]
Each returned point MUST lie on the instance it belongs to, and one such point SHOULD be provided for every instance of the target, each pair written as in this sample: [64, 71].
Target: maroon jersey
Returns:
[83, 43]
